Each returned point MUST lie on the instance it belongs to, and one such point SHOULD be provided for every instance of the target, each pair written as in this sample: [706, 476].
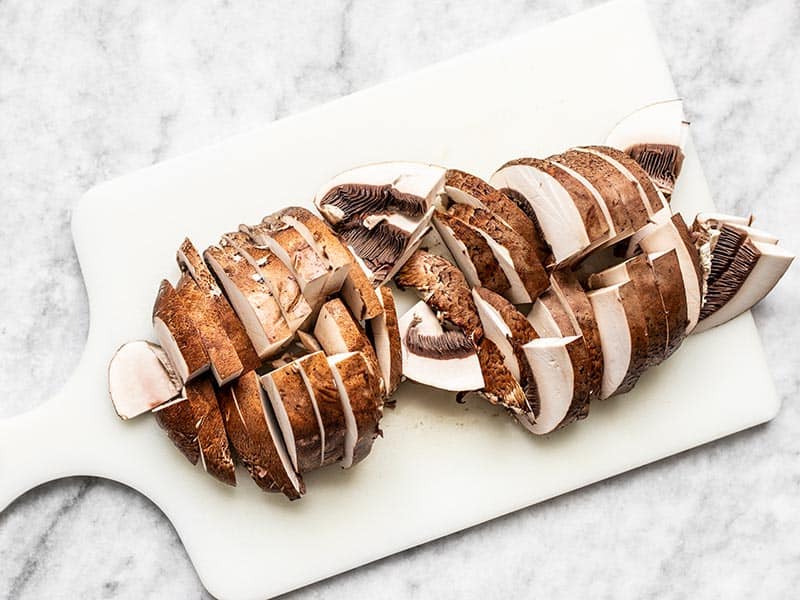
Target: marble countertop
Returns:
[90, 90]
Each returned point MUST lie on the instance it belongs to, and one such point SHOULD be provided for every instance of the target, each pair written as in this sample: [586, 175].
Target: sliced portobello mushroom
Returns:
[550, 318]
[257, 444]
[281, 281]
[675, 234]
[463, 188]
[651, 196]
[755, 270]
[446, 360]
[338, 332]
[612, 184]
[362, 401]
[177, 334]
[638, 271]
[190, 261]
[251, 299]
[140, 378]
[380, 189]
[498, 331]
[562, 393]
[654, 136]
[222, 355]
[308, 267]
[296, 416]
[669, 281]
[177, 419]
[215, 453]
[623, 336]
[321, 386]
[500, 385]
[568, 215]
[526, 275]
[443, 287]
[472, 253]
[385, 336]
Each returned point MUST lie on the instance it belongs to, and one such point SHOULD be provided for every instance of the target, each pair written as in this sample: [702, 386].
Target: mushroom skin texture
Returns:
[443, 287]
[176, 418]
[321, 386]
[296, 416]
[385, 332]
[140, 378]
[464, 188]
[445, 360]
[500, 385]
[361, 403]
[669, 281]
[177, 334]
[242, 407]
[190, 261]
[251, 299]
[654, 136]
[215, 453]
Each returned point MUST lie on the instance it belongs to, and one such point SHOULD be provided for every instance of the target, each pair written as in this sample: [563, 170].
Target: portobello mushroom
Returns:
[255, 442]
[251, 299]
[189, 261]
[361, 403]
[385, 337]
[321, 386]
[675, 234]
[463, 188]
[500, 385]
[570, 217]
[296, 416]
[654, 136]
[176, 418]
[140, 378]
[177, 334]
[215, 453]
[279, 279]
[670, 283]
[446, 360]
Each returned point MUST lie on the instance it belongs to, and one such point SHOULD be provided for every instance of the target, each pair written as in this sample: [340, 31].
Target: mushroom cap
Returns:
[385, 332]
[212, 438]
[140, 378]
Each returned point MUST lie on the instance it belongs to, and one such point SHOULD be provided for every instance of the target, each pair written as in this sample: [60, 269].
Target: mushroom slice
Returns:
[582, 320]
[251, 299]
[222, 355]
[380, 188]
[471, 252]
[675, 234]
[651, 196]
[321, 386]
[140, 378]
[654, 136]
[566, 212]
[517, 259]
[500, 385]
[563, 397]
[669, 281]
[338, 332]
[177, 334]
[638, 271]
[754, 271]
[615, 188]
[215, 453]
[257, 448]
[463, 188]
[281, 282]
[432, 356]
[189, 260]
[443, 287]
[361, 403]
[386, 341]
[291, 248]
[308, 341]
[317, 235]
[384, 242]
[177, 419]
[623, 336]
[549, 317]
[496, 330]
[296, 415]
[659, 218]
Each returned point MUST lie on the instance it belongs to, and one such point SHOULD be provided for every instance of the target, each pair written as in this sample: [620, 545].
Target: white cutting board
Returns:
[442, 466]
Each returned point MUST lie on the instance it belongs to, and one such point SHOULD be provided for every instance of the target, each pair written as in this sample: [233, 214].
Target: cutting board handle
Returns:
[50, 441]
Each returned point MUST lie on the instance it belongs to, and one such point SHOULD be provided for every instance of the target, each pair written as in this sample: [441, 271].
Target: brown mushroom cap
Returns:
[669, 281]
[211, 435]
[385, 332]
[177, 419]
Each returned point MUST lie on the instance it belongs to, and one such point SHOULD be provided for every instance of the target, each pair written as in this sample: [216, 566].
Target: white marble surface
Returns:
[90, 90]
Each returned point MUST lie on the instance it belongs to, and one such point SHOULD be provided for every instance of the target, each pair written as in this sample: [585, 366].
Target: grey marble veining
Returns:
[92, 89]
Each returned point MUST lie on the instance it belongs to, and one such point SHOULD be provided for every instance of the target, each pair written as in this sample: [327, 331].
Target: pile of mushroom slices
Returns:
[275, 350]
[556, 283]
